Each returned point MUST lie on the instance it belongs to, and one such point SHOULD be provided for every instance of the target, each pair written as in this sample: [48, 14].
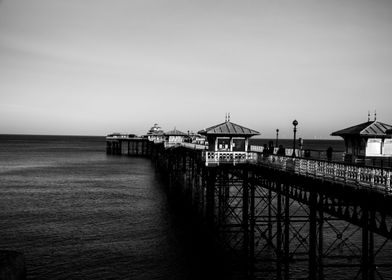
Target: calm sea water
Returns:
[77, 213]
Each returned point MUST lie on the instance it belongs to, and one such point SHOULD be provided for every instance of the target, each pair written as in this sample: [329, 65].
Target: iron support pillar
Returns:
[269, 215]
[320, 239]
[221, 200]
[252, 223]
[286, 232]
[368, 266]
[365, 244]
[313, 236]
[372, 267]
[245, 214]
[278, 231]
[210, 200]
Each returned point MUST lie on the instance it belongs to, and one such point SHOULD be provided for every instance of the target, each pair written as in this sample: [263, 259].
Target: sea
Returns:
[77, 213]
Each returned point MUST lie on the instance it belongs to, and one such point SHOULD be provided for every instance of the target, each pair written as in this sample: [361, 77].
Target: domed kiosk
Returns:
[228, 144]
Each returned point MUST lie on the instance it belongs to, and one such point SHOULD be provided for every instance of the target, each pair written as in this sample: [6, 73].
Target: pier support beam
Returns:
[279, 231]
[313, 236]
[368, 258]
[252, 224]
[286, 232]
[210, 198]
[245, 214]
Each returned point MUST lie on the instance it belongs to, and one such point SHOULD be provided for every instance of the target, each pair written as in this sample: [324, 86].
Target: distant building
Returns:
[174, 137]
[369, 139]
[196, 138]
[155, 134]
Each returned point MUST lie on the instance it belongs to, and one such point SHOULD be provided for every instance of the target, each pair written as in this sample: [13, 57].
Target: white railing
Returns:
[194, 146]
[288, 151]
[255, 148]
[358, 175]
[216, 158]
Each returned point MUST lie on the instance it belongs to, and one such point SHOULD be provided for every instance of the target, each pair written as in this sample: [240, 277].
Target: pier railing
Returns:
[194, 146]
[216, 158]
[359, 175]
[288, 151]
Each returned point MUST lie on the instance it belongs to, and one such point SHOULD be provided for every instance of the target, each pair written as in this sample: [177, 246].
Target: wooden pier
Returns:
[282, 217]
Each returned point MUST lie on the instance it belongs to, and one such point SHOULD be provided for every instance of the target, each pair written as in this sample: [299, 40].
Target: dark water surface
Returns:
[78, 214]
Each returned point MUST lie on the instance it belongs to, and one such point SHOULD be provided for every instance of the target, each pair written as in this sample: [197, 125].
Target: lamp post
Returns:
[295, 123]
[277, 136]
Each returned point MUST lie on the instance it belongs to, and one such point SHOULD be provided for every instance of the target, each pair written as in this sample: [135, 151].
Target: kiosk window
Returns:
[223, 144]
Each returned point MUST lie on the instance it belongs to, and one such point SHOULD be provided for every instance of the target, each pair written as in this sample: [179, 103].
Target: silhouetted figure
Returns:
[281, 151]
[329, 153]
[271, 147]
[265, 150]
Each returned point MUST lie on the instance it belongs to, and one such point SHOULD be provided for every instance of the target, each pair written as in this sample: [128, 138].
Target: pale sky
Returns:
[92, 67]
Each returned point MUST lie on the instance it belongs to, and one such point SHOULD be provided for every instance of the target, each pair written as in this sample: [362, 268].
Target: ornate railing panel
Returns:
[212, 157]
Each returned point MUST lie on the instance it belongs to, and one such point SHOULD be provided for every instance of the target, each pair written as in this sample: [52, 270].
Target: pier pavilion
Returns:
[155, 134]
[366, 140]
[228, 143]
[174, 137]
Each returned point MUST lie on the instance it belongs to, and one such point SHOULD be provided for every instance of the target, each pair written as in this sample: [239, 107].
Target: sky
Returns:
[92, 67]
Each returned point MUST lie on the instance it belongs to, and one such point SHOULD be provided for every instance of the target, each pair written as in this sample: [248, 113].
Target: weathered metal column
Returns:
[221, 198]
[119, 148]
[245, 213]
[252, 223]
[269, 215]
[372, 267]
[313, 235]
[365, 244]
[368, 266]
[278, 231]
[286, 232]
[320, 237]
[210, 200]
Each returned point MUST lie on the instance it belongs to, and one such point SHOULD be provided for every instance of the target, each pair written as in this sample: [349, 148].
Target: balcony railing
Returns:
[216, 158]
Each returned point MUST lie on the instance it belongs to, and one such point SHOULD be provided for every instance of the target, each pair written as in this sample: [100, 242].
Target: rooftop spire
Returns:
[375, 115]
[368, 116]
[228, 117]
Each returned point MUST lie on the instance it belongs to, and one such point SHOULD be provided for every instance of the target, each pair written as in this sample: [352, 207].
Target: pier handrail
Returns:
[217, 157]
[194, 146]
[361, 176]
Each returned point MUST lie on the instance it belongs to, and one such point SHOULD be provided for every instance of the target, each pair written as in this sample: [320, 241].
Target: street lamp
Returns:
[295, 123]
[277, 136]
